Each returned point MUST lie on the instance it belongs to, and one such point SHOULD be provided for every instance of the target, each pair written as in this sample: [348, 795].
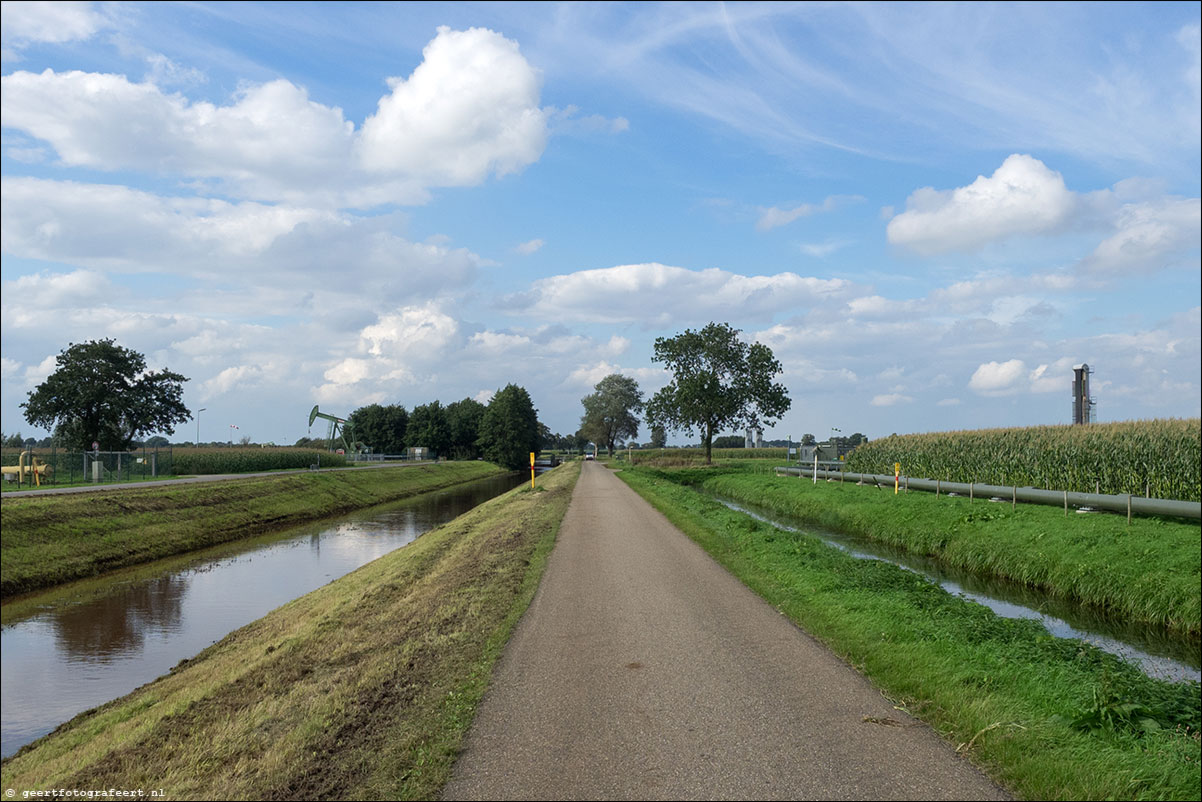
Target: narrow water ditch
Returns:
[69, 649]
[1157, 651]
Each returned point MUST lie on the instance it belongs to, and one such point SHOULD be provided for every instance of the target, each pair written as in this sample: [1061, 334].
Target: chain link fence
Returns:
[42, 467]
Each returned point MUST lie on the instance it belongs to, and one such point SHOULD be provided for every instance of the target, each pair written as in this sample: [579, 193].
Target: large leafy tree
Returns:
[610, 413]
[381, 427]
[429, 427]
[464, 417]
[509, 428]
[718, 382]
[101, 392]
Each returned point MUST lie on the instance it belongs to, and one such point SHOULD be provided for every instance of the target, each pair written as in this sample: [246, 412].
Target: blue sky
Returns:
[929, 212]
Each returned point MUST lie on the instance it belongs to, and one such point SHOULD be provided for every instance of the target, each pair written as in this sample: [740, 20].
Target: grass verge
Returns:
[362, 689]
[1048, 718]
[1149, 572]
[48, 540]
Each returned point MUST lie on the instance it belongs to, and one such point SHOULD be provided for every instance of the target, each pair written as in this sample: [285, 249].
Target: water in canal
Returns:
[69, 649]
[1157, 651]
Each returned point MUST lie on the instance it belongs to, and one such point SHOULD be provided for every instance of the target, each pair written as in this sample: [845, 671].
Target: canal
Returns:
[69, 649]
[1157, 651]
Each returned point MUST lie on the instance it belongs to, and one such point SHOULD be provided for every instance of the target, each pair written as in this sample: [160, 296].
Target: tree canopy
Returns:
[429, 427]
[102, 392]
[381, 427]
[509, 428]
[718, 382]
[610, 412]
[464, 417]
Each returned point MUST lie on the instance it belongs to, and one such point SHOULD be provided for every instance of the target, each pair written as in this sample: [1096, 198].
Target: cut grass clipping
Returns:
[362, 689]
[1046, 717]
[48, 540]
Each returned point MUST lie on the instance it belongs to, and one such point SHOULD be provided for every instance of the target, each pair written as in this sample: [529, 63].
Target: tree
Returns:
[464, 417]
[429, 427]
[382, 428]
[659, 437]
[808, 439]
[509, 428]
[103, 393]
[609, 413]
[730, 441]
[718, 381]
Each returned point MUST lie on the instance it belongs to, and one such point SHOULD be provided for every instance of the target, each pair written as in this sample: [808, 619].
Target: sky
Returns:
[930, 213]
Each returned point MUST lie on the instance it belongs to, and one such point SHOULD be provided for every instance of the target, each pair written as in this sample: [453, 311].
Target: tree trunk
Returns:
[709, 437]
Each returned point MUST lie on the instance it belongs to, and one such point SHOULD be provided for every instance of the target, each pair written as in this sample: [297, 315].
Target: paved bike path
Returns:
[643, 670]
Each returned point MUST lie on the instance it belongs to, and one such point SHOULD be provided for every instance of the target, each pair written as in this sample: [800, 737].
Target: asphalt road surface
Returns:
[643, 670]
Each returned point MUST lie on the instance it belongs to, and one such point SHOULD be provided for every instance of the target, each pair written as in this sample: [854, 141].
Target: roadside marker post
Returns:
[896, 476]
[531, 470]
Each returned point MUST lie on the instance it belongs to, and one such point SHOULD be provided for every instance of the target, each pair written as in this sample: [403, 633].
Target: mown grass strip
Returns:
[54, 539]
[1149, 571]
[1046, 717]
[362, 689]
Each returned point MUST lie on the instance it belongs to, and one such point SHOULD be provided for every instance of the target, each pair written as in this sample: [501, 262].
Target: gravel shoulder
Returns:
[643, 670]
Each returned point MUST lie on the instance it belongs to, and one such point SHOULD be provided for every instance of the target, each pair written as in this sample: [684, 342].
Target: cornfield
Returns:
[246, 460]
[1162, 458]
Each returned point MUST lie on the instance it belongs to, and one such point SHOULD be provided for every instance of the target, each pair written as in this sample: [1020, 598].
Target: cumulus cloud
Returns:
[527, 248]
[657, 294]
[469, 110]
[890, 399]
[995, 377]
[104, 227]
[1023, 196]
[1147, 236]
[51, 22]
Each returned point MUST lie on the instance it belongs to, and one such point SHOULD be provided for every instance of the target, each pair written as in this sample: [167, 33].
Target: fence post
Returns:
[938, 483]
[1014, 497]
[970, 492]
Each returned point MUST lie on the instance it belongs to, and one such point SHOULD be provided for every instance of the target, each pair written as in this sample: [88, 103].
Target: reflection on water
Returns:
[1157, 651]
[63, 654]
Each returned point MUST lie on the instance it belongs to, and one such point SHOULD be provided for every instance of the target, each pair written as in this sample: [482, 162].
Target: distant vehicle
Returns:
[588, 456]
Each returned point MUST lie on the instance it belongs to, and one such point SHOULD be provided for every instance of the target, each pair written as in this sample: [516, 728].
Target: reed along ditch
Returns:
[1158, 652]
[69, 649]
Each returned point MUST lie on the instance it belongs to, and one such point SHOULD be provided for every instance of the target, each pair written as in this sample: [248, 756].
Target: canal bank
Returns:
[55, 539]
[77, 646]
[362, 688]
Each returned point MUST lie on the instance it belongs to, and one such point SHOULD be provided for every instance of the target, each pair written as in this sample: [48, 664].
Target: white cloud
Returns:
[891, 399]
[656, 294]
[998, 377]
[1148, 235]
[774, 217]
[948, 402]
[530, 247]
[42, 291]
[51, 22]
[470, 110]
[104, 227]
[1021, 197]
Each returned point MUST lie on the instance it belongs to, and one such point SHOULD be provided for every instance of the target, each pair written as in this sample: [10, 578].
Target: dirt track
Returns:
[643, 670]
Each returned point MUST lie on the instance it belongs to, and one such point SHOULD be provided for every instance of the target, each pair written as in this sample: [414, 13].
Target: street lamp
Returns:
[835, 445]
[202, 409]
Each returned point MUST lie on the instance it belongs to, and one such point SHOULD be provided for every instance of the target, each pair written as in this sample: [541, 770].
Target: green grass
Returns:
[1046, 717]
[363, 689]
[48, 540]
[1148, 572]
